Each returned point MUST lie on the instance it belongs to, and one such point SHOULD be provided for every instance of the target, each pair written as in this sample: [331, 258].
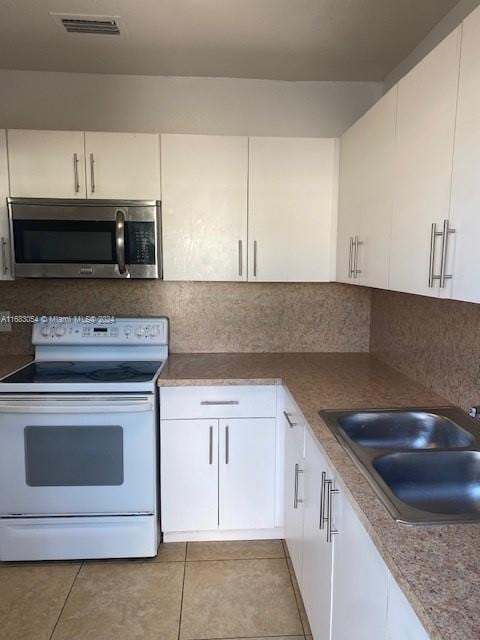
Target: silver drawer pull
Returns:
[227, 445]
[240, 258]
[3, 244]
[443, 264]
[296, 499]
[291, 424]
[92, 173]
[323, 517]
[75, 172]
[330, 492]
[210, 446]
[216, 403]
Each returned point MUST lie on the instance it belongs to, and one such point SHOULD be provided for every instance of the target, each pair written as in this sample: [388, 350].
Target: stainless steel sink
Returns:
[423, 463]
[445, 483]
[404, 430]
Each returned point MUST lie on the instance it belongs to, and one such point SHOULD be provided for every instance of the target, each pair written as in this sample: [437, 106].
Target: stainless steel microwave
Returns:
[85, 238]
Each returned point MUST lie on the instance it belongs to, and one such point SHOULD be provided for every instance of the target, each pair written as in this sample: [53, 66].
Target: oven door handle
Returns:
[120, 240]
[87, 404]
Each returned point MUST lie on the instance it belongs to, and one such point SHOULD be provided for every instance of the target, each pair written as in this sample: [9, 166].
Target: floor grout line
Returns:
[292, 578]
[66, 599]
[228, 559]
[181, 596]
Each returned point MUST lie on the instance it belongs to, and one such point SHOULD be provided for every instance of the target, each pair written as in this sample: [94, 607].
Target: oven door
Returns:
[77, 455]
[60, 239]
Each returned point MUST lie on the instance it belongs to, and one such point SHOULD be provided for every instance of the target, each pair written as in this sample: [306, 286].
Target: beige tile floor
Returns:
[194, 591]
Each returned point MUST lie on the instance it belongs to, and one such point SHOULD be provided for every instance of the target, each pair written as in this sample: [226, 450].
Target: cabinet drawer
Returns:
[218, 402]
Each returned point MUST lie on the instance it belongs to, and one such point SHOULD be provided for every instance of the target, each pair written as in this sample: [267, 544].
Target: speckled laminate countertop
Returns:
[10, 363]
[438, 567]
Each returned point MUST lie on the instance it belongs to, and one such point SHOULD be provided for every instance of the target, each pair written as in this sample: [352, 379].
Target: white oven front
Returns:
[67, 455]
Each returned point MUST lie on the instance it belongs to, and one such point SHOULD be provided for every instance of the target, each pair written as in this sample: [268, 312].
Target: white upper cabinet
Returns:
[292, 200]
[5, 261]
[464, 259]
[427, 99]
[366, 196]
[204, 207]
[124, 166]
[46, 164]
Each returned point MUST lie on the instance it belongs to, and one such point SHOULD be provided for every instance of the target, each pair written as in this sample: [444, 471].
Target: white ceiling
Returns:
[278, 39]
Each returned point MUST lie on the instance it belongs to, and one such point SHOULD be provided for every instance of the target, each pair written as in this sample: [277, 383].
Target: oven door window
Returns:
[63, 241]
[73, 456]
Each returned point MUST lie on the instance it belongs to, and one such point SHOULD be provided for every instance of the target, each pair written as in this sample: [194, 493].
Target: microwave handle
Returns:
[120, 240]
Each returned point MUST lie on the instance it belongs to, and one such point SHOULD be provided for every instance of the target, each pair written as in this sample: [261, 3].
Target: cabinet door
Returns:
[204, 187]
[293, 506]
[402, 621]
[46, 164]
[317, 550]
[124, 166]
[189, 474]
[359, 580]
[352, 146]
[247, 473]
[5, 261]
[292, 187]
[375, 192]
[464, 259]
[427, 99]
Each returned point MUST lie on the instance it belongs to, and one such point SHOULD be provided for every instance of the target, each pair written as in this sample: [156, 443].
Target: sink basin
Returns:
[403, 430]
[447, 482]
[423, 463]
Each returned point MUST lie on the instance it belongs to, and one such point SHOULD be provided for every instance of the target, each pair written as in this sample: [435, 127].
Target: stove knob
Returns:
[60, 330]
[139, 332]
[45, 331]
[153, 331]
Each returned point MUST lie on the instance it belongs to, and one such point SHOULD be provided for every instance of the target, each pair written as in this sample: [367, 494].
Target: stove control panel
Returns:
[88, 330]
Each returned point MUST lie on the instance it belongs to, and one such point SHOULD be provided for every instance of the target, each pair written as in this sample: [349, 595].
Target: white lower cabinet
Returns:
[318, 539]
[402, 622]
[360, 580]
[218, 474]
[189, 475]
[293, 488]
[347, 589]
[247, 473]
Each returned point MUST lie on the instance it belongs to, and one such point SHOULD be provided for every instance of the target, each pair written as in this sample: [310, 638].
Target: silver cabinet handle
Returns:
[350, 258]
[254, 258]
[3, 244]
[227, 444]
[240, 258]
[289, 420]
[120, 240]
[356, 270]
[330, 492]
[296, 499]
[434, 234]
[92, 173]
[214, 403]
[210, 446]
[75, 172]
[323, 501]
[443, 264]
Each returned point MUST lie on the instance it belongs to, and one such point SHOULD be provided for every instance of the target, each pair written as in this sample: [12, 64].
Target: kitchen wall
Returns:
[436, 342]
[453, 18]
[206, 317]
[48, 100]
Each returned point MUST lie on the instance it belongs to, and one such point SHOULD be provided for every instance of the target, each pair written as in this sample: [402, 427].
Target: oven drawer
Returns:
[77, 455]
[231, 401]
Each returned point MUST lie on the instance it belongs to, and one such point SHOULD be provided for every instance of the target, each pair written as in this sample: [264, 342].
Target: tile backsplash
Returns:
[436, 342]
[206, 316]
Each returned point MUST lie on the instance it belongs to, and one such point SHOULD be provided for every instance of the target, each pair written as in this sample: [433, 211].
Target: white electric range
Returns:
[79, 441]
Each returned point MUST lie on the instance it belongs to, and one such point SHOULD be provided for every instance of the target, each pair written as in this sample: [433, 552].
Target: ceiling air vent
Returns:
[89, 24]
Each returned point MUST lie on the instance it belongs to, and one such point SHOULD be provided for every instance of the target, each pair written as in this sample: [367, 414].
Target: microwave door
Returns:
[92, 239]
